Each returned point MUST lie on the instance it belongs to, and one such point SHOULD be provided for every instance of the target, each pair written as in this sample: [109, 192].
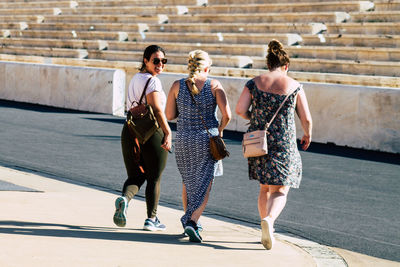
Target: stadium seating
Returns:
[345, 42]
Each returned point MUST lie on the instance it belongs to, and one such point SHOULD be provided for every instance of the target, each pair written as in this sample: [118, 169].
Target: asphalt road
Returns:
[348, 198]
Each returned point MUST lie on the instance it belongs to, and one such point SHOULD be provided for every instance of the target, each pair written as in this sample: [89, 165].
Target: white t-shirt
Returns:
[136, 87]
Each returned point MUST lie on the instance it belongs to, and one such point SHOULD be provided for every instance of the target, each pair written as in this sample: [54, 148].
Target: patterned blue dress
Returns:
[192, 145]
[282, 165]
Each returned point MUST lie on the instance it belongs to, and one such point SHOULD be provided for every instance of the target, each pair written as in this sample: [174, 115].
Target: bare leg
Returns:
[263, 197]
[197, 213]
[276, 201]
[271, 201]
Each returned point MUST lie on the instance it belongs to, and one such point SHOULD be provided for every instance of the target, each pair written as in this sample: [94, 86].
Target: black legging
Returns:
[153, 158]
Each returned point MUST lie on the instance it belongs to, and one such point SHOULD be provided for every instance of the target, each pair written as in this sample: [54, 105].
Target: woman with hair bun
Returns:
[281, 168]
[192, 147]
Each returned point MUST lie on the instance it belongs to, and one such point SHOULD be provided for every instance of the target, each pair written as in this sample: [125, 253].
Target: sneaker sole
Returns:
[153, 228]
[266, 237]
[193, 236]
[119, 215]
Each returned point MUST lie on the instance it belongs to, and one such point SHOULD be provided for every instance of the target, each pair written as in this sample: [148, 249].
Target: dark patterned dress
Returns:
[192, 145]
[282, 165]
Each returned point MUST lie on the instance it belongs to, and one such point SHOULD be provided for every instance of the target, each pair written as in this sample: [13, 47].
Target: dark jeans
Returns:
[153, 158]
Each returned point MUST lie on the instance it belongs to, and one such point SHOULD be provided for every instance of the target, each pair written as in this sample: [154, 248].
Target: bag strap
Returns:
[144, 90]
[276, 113]
[198, 111]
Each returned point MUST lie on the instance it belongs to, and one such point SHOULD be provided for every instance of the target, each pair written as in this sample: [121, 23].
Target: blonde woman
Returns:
[281, 168]
[192, 148]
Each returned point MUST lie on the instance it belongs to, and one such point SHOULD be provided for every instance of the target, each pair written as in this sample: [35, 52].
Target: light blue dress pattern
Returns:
[192, 146]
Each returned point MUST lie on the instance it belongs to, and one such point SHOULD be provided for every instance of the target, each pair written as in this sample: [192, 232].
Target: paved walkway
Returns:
[50, 222]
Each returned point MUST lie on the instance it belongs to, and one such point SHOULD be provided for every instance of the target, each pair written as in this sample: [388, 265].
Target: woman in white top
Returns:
[145, 162]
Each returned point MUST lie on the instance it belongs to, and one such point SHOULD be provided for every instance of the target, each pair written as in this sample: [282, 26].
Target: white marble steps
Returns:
[376, 16]
[131, 68]
[231, 61]
[44, 51]
[286, 17]
[386, 5]
[373, 28]
[320, 52]
[85, 19]
[345, 6]
[299, 28]
[310, 28]
[144, 9]
[287, 39]
[84, 3]
[351, 40]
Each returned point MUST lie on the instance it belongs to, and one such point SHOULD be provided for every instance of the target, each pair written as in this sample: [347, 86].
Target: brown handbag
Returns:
[218, 148]
[141, 120]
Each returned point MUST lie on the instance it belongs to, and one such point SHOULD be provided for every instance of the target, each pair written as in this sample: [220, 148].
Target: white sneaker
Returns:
[267, 237]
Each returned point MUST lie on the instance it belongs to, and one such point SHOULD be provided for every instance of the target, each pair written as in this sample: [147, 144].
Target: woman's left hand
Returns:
[220, 132]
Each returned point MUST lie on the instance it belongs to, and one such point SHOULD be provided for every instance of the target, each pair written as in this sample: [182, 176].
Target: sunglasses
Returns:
[157, 61]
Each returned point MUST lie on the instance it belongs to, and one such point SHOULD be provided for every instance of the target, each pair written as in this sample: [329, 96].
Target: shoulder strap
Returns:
[276, 113]
[197, 107]
[144, 90]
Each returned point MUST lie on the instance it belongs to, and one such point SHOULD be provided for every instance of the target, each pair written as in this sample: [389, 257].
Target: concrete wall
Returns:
[346, 115]
[80, 88]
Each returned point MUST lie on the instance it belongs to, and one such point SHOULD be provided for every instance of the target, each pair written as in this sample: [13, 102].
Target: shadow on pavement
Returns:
[104, 233]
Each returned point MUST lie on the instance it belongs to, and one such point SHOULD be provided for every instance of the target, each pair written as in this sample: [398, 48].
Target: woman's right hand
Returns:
[305, 142]
[167, 142]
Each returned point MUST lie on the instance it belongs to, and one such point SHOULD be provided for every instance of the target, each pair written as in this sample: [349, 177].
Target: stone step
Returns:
[387, 5]
[56, 43]
[345, 6]
[283, 17]
[300, 28]
[80, 3]
[37, 4]
[351, 40]
[45, 51]
[228, 38]
[373, 28]
[345, 53]
[178, 9]
[84, 19]
[131, 68]
[309, 28]
[245, 2]
[376, 16]
[318, 52]
[77, 26]
[84, 35]
[297, 64]
[32, 11]
[221, 38]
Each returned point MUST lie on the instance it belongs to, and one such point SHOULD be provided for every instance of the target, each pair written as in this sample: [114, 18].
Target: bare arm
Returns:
[171, 110]
[243, 104]
[153, 99]
[304, 114]
[223, 105]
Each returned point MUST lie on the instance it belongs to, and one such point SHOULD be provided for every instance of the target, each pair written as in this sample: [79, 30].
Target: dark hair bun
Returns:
[275, 47]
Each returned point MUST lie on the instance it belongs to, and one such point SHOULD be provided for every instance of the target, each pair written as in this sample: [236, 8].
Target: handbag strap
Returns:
[144, 90]
[198, 111]
[276, 113]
